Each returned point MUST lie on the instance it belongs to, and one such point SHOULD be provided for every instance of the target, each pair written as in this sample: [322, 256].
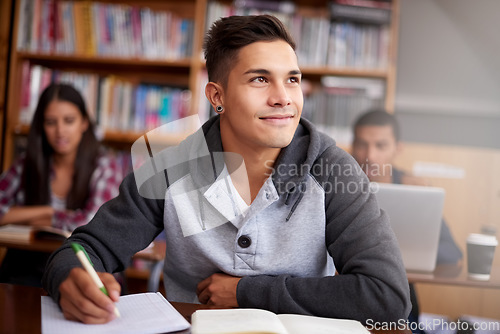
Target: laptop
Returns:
[415, 214]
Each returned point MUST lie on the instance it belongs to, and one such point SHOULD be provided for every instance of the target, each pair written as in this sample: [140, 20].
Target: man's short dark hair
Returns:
[229, 34]
[378, 118]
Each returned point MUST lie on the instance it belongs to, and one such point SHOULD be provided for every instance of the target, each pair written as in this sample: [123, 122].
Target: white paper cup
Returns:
[480, 252]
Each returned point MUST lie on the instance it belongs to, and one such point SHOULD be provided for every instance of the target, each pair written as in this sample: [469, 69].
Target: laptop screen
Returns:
[415, 214]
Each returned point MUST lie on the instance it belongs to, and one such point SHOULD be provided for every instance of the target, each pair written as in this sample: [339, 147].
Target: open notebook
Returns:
[26, 234]
[244, 321]
[140, 313]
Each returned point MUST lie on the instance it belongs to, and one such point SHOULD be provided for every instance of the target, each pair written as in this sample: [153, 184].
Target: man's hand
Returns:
[218, 290]
[81, 299]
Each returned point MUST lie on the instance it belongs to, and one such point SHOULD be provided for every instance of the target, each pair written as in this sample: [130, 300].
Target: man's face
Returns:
[375, 148]
[263, 99]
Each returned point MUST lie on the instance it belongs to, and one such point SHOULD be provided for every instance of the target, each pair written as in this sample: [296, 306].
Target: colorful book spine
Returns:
[92, 28]
[333, 40]
[114, 103]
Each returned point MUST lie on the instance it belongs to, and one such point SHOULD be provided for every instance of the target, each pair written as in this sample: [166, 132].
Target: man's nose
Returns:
[279, 95]
[371, 155]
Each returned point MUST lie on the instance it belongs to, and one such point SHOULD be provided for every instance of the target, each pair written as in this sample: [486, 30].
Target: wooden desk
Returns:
[455, 275]
[20, 310]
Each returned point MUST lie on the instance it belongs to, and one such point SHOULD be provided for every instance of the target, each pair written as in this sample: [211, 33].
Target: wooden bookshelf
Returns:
[114, 136]
[182, 72]
[5, 20]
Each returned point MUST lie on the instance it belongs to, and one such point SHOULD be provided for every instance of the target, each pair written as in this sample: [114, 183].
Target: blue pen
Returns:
[84, 258]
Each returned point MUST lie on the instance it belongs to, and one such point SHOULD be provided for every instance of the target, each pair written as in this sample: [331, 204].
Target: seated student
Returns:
[265, 243]
[61, 181]
[375, 146]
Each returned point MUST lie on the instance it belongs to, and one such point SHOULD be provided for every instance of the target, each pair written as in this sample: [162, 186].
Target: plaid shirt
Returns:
[104, 183]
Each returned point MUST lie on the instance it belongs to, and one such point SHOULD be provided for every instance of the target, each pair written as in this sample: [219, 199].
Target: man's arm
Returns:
[121, 227]
[372, 281]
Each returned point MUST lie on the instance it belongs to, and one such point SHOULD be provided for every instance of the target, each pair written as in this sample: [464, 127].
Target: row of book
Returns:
[117, 104]
[102, 29]
[320, 41]
[119, 30]
[113, 103]
[364, 11]
[335, 104]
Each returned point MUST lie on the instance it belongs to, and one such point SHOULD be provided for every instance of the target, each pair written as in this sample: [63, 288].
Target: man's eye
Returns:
[259, 79]
[295, 80]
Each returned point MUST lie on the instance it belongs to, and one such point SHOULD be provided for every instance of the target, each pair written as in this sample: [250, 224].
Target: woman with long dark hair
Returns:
[61, 181]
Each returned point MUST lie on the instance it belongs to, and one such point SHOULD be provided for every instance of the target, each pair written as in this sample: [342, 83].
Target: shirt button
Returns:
[244, 241]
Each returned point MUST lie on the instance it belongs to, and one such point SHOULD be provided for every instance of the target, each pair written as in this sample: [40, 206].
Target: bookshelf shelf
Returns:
[343, 72]
[131, 137]
[114, 136]
[184, 73]
[90, 60]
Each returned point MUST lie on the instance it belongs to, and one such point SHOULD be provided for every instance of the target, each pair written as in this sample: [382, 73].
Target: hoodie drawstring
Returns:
[302, 190]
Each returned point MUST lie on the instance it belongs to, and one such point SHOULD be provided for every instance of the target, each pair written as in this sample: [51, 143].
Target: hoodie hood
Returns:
[307, 145]
[201, 155]
[291, 167]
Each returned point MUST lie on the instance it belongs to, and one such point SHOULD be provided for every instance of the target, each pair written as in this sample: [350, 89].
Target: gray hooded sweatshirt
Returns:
[313, 216]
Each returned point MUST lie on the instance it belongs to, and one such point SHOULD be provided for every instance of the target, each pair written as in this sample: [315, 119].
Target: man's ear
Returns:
[215, 94]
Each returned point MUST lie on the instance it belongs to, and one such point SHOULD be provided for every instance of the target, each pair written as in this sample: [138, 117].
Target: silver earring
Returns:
[219, 109]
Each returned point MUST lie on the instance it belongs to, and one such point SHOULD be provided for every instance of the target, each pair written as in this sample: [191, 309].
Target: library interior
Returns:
[431, 65]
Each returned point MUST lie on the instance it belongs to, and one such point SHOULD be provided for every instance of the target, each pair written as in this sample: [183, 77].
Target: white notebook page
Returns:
[298, 324]
[140, 313]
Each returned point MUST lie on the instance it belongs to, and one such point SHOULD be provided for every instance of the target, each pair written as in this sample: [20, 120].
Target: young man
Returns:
[264, 237]
[375, 146]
